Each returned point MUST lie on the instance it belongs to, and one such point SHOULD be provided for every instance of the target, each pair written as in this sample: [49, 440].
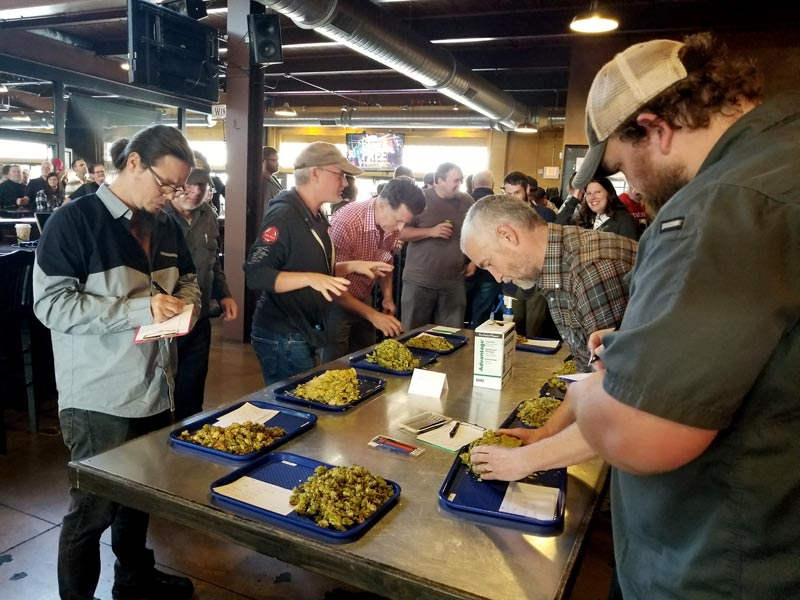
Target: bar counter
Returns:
[417, 550]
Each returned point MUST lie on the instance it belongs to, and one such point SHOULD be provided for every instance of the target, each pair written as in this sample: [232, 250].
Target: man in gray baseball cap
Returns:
[697, 400]
[293, 265]
[323, 154]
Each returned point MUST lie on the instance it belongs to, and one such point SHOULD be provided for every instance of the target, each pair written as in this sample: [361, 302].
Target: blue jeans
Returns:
[87, 433]
[281, 355]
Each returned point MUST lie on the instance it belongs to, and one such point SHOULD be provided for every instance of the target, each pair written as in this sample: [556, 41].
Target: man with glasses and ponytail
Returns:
[108, 263]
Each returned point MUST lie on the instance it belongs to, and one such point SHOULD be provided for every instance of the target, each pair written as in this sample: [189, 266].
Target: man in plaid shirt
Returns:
[368, 231]
[580, 272]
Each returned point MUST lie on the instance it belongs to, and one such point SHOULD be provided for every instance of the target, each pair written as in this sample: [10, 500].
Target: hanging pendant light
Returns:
[285, 111]
[526, 127]
[593, 21]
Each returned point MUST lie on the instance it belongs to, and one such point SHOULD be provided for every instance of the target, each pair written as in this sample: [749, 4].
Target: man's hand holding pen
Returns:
[595, 345]
[163, 305]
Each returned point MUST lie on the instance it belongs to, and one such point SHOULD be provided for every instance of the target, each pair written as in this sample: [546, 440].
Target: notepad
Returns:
[440, 437]
[177, 325]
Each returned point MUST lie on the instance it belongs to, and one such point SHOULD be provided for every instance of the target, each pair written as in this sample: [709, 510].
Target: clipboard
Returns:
[178, 325]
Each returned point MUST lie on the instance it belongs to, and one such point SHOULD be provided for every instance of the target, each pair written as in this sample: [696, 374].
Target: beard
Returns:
[528, 275]
[657, 186]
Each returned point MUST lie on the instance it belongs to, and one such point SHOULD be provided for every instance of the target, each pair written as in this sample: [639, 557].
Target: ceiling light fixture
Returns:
[593, 21]
[525, 127]
[285, 111]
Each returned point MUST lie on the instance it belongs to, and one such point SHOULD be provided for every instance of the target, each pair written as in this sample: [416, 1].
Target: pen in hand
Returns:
[157, 287]
[454, 429]
[593, 358]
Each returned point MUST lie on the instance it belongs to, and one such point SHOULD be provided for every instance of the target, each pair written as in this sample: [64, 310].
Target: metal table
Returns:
[417, 550]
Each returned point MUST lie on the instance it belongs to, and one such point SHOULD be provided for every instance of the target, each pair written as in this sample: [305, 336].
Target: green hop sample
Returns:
[337, 387]
[391, 354]
[340, 497]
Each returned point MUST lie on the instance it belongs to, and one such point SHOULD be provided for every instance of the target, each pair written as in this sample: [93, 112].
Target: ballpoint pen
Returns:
[454, 429]
[160, 289]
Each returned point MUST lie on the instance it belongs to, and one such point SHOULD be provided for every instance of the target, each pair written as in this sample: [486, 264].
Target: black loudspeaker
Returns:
[191, 8]
[265, 39]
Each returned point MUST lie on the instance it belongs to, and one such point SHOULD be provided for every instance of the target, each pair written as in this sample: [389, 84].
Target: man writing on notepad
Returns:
[98, 267]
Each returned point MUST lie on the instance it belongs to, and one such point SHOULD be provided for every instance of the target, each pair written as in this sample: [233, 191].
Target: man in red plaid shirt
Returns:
[370, 231]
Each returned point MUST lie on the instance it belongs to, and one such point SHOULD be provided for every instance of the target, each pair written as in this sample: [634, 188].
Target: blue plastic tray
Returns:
[462, 491]
[456, 340]
[368, 386]
[288, 471]
[425, 358]
[293, 421]
[527, 348]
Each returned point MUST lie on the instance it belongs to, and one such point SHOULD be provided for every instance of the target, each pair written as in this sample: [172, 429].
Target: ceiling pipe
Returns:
[365, 28]
[386, 119]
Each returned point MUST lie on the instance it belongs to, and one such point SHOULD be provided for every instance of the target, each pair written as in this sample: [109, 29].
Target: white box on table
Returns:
[495, 342]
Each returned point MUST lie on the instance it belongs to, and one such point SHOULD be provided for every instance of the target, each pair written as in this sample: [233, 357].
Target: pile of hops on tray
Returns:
[340, 497]
[534, 412]
[489, 438]
[236, 438]
[426, 341]
[568, 368]
[391, 354]
[337, 387]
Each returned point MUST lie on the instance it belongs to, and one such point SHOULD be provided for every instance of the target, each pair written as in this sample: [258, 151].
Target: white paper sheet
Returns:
[177, 325]
[575, 376]
[258, 493]
[443, 329]
[547, 344]
[246, 412]
[535, 501]
[440, 437]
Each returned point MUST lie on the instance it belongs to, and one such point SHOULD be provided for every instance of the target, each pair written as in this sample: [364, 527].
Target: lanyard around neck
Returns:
[330, 262]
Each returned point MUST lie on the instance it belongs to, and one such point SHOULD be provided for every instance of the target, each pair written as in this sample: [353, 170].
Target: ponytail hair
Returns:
[151, 144]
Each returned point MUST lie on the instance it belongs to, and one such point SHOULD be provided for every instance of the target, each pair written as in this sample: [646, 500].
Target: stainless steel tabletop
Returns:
[417, 550]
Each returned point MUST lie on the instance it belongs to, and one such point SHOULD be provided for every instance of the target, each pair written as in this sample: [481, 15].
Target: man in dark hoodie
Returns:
[292, 263]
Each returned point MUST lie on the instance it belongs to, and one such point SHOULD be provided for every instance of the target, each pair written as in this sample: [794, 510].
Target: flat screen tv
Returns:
[375, 151]
[171, 52]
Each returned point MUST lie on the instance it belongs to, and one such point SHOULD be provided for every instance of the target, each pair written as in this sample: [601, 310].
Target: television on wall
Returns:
[375, 151]
[172, 53]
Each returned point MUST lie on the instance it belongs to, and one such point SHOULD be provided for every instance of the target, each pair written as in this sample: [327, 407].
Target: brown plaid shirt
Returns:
[583, 279]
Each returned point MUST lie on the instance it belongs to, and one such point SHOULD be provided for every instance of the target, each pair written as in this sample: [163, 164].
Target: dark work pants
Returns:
[190, 377]
[422, 305]
[87, 433]
[347, 332]
[482, 297]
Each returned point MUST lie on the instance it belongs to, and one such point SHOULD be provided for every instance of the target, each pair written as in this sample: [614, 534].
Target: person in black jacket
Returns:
[292, 263]
[602, 210]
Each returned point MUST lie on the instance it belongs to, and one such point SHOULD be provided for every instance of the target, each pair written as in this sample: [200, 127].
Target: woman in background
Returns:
[602, 210]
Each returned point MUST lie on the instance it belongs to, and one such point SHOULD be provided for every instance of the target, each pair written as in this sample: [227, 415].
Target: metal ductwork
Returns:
[385, 119]
[365, 28]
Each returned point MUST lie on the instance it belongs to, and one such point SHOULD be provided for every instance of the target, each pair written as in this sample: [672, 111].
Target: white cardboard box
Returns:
[494, 354]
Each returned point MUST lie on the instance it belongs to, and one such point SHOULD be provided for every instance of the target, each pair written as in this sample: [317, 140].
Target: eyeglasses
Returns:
[167, 190]
[339, 174]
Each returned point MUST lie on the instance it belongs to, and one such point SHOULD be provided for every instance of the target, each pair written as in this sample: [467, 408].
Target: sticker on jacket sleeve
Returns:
[672, 225]
[270, 235]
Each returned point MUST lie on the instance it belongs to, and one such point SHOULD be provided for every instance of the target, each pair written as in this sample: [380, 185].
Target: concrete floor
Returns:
[34, 496]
